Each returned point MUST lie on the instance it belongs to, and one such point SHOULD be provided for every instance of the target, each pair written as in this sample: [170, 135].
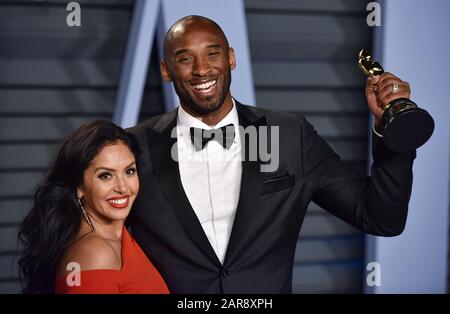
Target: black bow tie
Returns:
[201, 137]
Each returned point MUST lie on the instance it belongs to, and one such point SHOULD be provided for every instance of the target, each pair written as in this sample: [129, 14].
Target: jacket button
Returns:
[226, 273]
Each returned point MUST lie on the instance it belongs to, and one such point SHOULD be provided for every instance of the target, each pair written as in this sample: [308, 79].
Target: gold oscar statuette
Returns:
[405, 126]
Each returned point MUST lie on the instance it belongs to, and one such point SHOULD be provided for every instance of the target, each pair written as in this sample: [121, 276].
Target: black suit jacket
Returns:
[271, 208]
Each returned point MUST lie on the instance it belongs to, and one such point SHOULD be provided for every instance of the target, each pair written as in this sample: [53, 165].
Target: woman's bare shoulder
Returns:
[90, 252]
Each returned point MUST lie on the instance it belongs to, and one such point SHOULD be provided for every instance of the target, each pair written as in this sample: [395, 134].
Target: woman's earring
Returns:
[83, 211]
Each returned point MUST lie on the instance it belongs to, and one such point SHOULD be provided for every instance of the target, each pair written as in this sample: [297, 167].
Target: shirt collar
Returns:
[187, 120]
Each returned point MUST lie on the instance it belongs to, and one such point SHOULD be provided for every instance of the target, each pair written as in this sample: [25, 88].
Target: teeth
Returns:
[205, 85]
[118, 202]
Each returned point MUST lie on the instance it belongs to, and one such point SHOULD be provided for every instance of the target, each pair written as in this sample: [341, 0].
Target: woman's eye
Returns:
[105, 176]
[131, 171]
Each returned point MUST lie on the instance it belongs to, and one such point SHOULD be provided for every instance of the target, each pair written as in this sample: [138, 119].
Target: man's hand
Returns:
[379, 92]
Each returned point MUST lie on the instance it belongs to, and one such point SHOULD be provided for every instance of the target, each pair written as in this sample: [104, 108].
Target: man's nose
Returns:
[201, 67]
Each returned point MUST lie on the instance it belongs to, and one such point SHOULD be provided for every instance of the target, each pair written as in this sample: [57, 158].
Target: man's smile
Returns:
[204, 88]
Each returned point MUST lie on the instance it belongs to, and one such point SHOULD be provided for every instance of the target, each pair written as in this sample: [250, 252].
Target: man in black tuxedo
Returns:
[213, 223]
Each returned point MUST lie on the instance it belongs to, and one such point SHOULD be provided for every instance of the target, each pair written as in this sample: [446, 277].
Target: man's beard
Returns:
[203, 108]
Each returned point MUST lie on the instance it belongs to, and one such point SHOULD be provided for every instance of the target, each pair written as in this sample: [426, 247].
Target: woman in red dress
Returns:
[74, 237]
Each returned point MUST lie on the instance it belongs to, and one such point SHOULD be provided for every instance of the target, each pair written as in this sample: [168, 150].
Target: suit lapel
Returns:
[161, 143]
[251, 187]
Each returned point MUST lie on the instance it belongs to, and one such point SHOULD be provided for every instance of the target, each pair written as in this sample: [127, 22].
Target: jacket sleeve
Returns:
[376, 204]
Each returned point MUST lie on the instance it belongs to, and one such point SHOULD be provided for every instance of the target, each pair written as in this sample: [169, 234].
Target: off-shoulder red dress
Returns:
[137, 275]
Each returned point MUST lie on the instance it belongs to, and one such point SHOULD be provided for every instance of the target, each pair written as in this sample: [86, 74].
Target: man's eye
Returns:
[105, 176]
[213, 53]
[185, 59]
[131, 171]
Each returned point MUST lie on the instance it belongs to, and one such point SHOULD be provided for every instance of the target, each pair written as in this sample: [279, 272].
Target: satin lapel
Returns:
[167, 173]
[251, 186]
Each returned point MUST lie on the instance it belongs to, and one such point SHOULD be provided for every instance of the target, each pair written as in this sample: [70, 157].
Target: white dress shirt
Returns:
[211, 178]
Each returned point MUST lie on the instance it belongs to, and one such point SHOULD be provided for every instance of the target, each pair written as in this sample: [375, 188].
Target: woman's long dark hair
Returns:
[55, 218]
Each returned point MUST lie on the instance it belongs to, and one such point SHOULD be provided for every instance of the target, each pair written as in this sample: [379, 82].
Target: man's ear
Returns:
[231, 58]
[165, 72]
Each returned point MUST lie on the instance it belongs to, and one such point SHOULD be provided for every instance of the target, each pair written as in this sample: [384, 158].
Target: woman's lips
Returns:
[119, 202]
